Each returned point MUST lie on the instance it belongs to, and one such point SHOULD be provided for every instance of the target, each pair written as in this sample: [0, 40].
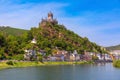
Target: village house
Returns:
[30, 54]
[115, 54]
[58, 56]
[74, 56]
[88, 56]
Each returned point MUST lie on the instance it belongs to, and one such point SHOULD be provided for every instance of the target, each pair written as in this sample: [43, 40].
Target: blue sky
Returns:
[99, 20]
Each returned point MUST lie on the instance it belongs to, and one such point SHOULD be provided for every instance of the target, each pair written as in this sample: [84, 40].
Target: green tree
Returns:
[2, 40]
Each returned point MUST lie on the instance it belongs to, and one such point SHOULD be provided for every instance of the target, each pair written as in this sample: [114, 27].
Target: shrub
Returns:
[94, 58]
[10, 63]
[18, 57]
[116, 63]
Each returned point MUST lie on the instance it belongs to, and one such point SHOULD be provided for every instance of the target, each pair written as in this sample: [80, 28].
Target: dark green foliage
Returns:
[18, 57]
[12, 42]
[10, 63]
[2, 55]
[2, 40]
[40, 57]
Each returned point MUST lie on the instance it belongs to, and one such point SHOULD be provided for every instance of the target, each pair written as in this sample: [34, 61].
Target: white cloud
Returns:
[93, 25]
[27, 15]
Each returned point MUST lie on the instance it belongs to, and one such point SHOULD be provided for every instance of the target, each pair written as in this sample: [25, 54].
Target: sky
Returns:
[98, 20]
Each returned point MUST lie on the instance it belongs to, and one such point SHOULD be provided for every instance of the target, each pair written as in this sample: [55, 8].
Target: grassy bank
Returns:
[12, 64]
[116, 63]
[3, 65]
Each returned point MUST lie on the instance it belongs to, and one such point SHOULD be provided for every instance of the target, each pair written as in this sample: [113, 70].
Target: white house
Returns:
[115, 53]
[34, 41]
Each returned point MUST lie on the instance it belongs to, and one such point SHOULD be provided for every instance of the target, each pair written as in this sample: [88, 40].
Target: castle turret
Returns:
[50, 16]
[48, 20]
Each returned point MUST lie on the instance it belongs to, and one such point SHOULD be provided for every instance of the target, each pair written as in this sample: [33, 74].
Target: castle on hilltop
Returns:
[49, 19]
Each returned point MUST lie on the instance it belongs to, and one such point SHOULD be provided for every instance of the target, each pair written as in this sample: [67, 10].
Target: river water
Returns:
[63, 72]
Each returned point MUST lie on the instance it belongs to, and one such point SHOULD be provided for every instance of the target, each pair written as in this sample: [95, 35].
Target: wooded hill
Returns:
[117, 47]
[12, 31]
[50, 37]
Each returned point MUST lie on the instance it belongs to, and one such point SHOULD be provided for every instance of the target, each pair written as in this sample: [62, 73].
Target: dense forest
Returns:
[50, 37]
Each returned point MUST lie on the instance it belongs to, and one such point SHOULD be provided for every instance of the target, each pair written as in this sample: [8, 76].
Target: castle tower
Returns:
[49, 19]
[50, 16]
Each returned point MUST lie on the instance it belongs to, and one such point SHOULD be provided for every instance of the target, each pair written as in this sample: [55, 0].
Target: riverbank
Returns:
[116, 63]
[13, 64]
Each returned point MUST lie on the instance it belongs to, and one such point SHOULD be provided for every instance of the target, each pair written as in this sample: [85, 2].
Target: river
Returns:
[63, 72]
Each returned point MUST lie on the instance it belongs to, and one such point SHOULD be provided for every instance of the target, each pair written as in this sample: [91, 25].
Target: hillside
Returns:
[12, 31]
[117, 47]
[51, 35]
